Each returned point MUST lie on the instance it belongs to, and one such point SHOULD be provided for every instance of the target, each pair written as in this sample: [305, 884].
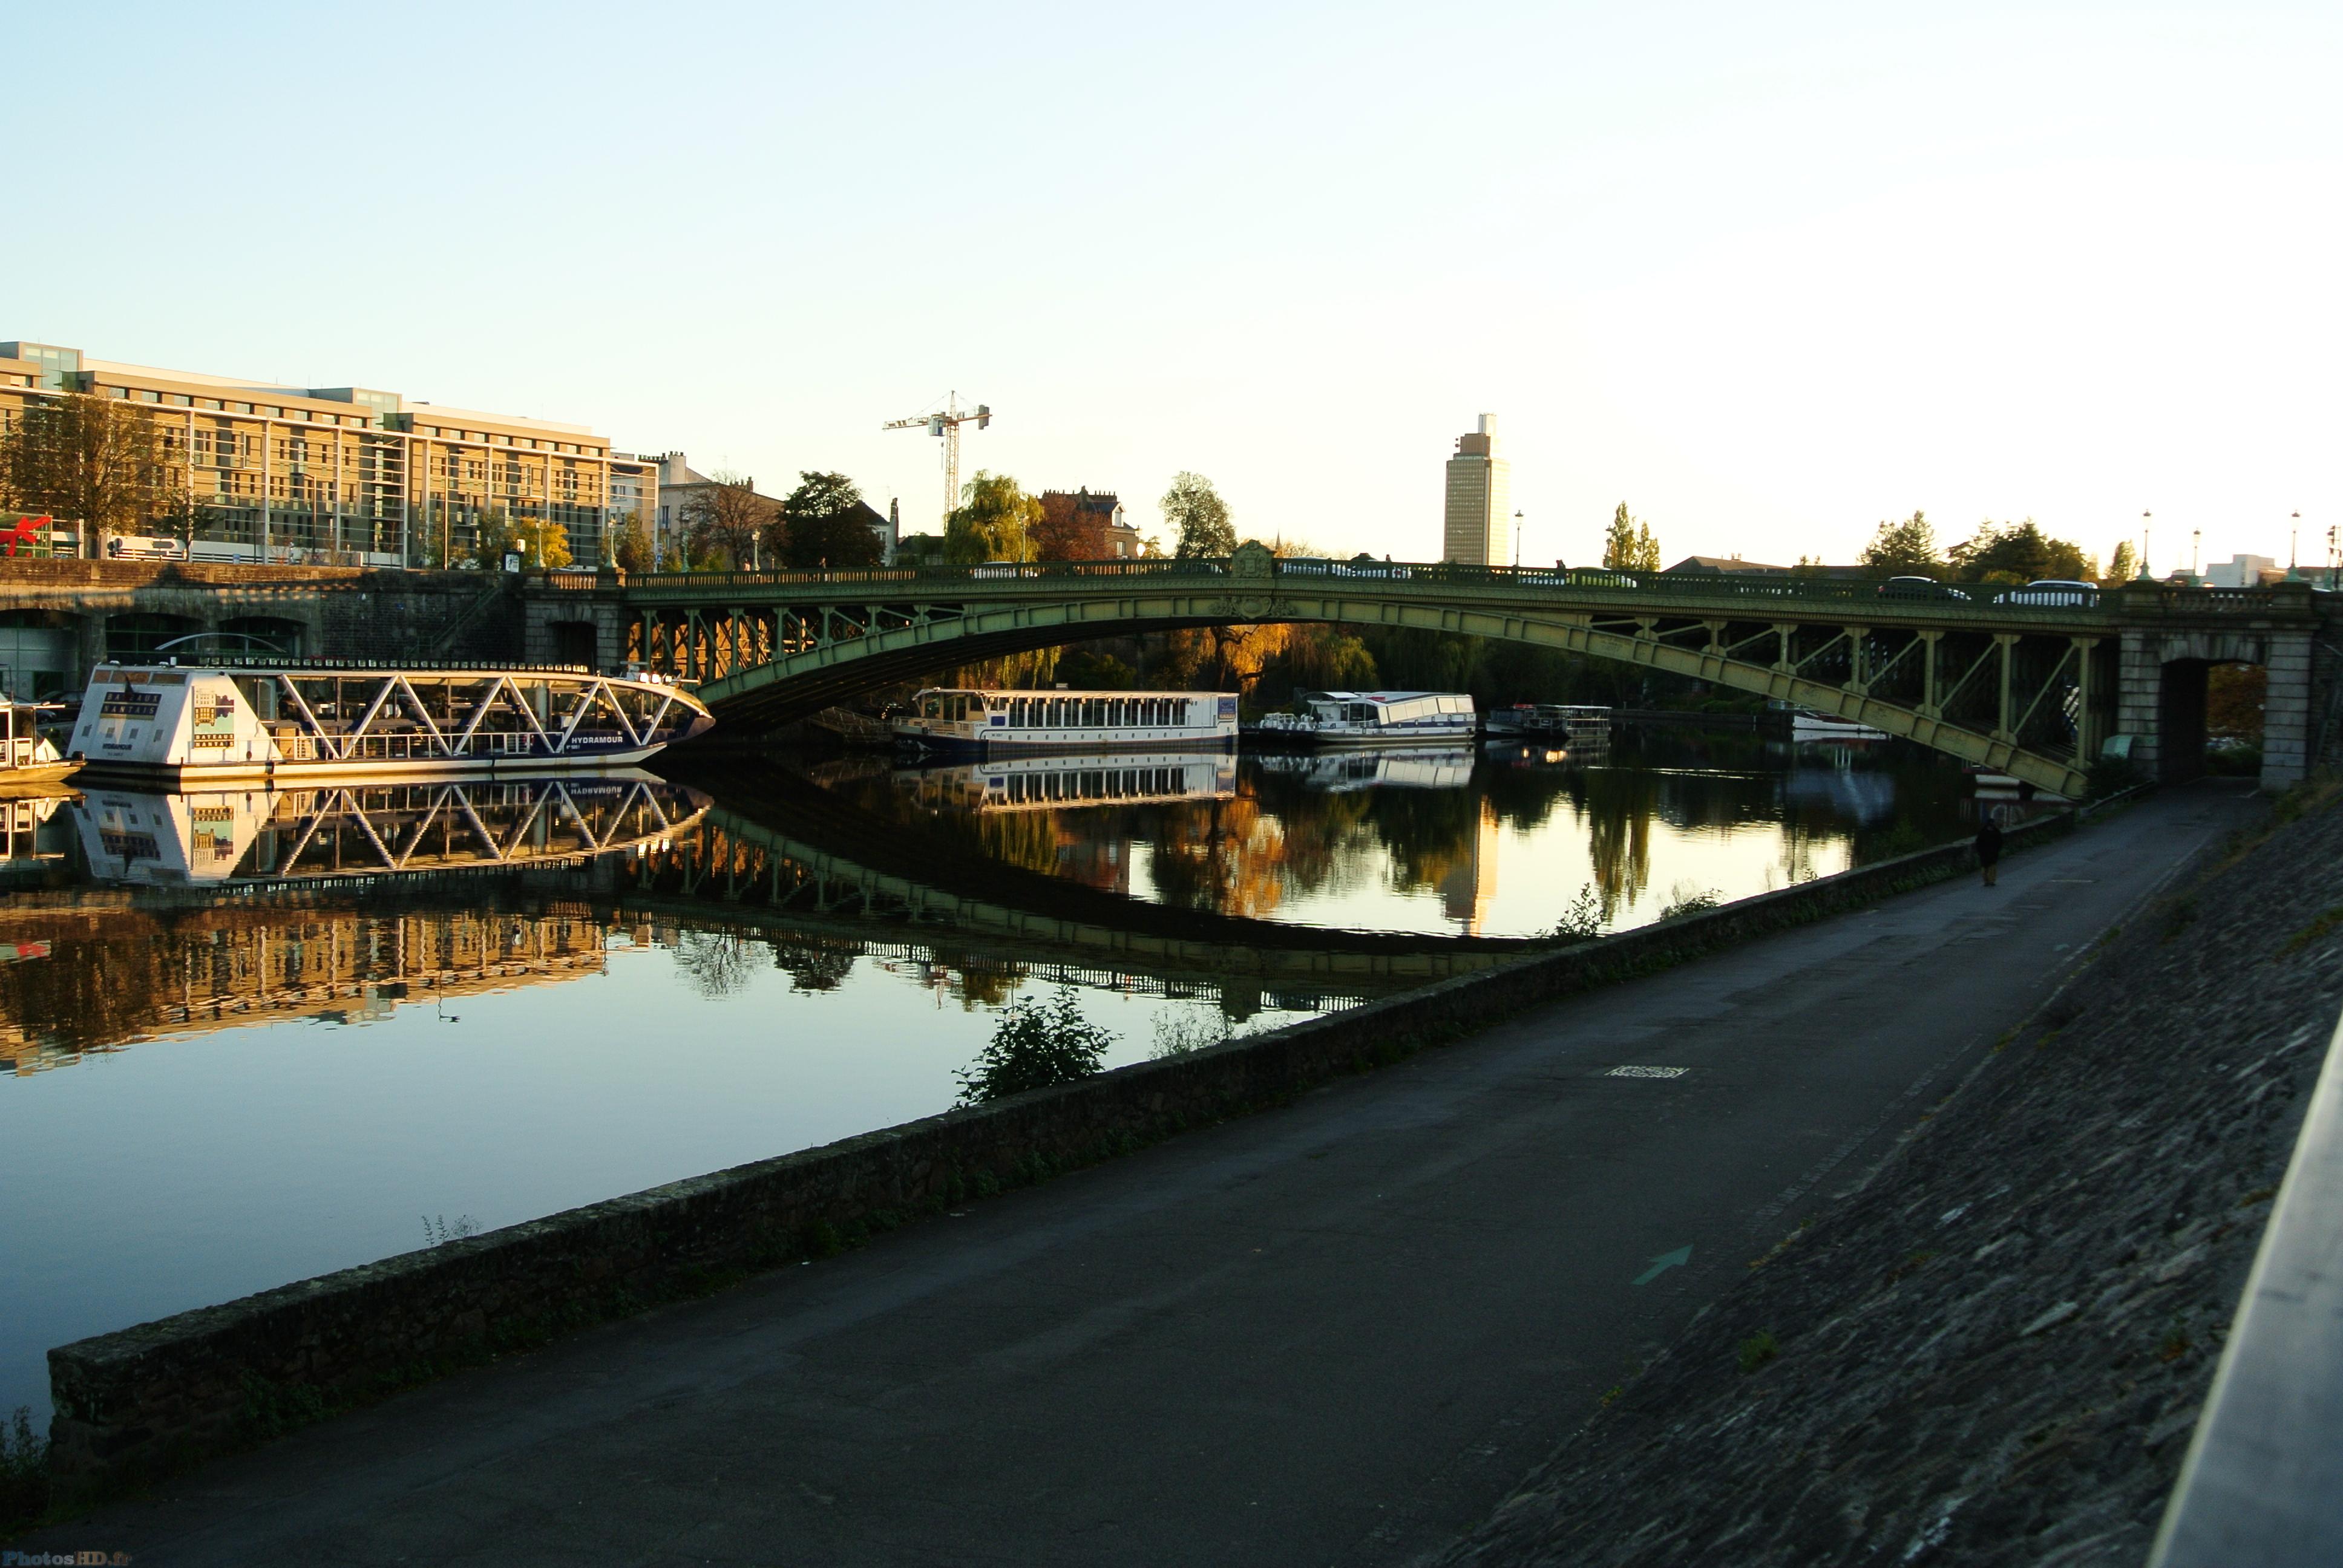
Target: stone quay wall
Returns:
[343, 612]
[134, 1405]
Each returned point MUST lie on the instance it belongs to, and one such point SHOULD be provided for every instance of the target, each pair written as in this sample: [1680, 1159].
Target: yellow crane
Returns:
[946, 423]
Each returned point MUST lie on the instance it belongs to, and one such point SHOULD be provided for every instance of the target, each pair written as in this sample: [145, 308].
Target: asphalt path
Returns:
[1337, 1333]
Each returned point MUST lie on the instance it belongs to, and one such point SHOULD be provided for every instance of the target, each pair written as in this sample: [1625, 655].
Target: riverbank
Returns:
[1338, 1331]
[1995, 1352]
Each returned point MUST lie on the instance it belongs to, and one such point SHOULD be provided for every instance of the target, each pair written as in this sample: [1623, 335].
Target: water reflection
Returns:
[502, 999]
[265, 836]
[1450, 841]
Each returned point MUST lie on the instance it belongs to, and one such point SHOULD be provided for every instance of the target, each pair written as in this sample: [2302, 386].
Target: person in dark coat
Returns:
[1988, 849]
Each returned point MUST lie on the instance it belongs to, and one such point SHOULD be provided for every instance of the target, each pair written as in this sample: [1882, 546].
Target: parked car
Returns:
[1920, 588]
[2053, 591]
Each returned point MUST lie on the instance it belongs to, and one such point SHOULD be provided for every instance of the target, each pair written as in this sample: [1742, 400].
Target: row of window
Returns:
[1076, 712]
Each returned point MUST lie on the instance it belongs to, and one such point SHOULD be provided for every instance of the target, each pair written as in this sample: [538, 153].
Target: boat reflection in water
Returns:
[380, 827]
[1036, 783]
[1339, 772]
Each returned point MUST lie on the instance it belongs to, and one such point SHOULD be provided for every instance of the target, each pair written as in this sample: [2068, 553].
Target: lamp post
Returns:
[2145, 535]
[2294, 548]
[2195, 547]
[1517, 541]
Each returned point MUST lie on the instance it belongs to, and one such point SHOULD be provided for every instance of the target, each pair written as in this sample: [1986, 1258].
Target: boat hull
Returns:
[197, 776]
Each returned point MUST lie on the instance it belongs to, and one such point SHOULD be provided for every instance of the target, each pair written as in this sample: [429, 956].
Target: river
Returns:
[245, 1039]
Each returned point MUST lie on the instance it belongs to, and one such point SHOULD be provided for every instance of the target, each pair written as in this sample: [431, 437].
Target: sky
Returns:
[1770, 275]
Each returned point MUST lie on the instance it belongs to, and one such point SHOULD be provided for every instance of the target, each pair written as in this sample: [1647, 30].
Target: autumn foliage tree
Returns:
[1629, 545]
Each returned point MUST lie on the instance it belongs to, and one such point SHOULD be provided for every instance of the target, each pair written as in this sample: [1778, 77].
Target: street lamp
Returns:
[2195, 546]
[2145, 575]
[2294, 548]
[1517, 541]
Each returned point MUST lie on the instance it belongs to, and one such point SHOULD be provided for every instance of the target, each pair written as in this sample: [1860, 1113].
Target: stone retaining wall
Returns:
[134, 1405]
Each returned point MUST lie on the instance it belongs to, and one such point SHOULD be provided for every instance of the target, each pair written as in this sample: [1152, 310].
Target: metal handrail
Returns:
[1694, 587]
[2265, 1467]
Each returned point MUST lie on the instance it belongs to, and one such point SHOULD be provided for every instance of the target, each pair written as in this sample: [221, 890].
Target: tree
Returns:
[630, 543]
[993, 523]
[1630, 546]
[1908, 548]
[820, 525]
[1069, 529]
[1195, 510]
[95, 460]
[1033, 1048]
[2018, 552]
[2124, 565]
[726, 517]
[537, 543]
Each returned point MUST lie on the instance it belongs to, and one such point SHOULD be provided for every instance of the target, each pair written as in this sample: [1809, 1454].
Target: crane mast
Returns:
[946, 423]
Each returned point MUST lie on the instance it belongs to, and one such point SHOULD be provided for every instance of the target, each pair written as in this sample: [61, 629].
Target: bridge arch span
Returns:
[2028, 686]
[1831, 669]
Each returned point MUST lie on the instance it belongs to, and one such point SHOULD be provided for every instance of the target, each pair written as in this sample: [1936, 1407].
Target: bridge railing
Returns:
[1745, 590]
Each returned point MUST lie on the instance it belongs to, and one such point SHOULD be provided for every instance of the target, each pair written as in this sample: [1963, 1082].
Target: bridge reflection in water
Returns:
[152, 915]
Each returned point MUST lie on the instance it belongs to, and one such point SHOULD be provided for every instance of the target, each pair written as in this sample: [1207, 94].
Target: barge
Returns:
[953, 721]
[197, 725]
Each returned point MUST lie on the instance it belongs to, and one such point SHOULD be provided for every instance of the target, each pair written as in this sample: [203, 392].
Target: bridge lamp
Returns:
[2294, 546]
[2145, 535]
[1517, 541]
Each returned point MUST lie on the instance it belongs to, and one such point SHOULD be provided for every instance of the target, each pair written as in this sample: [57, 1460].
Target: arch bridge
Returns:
[2019, 684]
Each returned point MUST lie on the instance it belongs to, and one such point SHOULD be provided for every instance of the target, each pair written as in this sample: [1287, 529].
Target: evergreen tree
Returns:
[1908, 548]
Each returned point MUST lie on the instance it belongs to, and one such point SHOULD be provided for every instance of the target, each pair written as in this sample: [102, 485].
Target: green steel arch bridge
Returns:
[2021, 684]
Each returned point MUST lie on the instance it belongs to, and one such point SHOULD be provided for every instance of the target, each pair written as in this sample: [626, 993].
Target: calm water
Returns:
[245, 1039]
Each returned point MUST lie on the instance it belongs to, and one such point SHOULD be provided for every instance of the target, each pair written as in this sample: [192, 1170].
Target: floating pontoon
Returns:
[176, 724]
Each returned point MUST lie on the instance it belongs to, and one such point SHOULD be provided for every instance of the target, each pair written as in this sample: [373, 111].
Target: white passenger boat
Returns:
[1345, 718]
[179, 724]
[956, 721]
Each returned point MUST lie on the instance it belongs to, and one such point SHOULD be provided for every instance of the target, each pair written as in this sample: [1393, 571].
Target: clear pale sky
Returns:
[1769, 274]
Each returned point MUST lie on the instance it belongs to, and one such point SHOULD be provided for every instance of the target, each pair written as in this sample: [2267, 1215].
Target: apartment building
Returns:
[264, 471]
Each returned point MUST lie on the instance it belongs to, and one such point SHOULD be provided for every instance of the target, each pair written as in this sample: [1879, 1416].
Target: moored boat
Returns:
[177, 723]
[958, 721]
[1345, 718]
[29, 759]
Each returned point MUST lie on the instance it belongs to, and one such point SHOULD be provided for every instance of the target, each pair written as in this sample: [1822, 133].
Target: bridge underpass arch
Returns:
[2033, 703]
[2165, 684]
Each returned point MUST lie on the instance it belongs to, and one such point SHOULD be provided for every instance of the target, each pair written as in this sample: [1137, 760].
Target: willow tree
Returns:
[994, 522]
[95, 460]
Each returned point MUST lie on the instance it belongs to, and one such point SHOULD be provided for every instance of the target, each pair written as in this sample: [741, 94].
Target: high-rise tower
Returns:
[1480, 512]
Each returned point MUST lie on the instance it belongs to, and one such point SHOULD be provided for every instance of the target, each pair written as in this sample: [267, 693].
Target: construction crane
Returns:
[947, 424]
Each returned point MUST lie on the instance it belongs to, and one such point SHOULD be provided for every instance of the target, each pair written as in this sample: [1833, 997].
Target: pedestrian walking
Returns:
[1988, 849]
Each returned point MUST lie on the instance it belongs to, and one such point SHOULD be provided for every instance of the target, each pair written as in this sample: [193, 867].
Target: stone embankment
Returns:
[139, 1404]
[1994, 1351]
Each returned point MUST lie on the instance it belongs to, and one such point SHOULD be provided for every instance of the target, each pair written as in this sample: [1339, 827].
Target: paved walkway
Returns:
[1333, 1333]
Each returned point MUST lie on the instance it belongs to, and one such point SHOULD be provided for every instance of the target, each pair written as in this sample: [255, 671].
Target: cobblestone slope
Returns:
[1995, 1352]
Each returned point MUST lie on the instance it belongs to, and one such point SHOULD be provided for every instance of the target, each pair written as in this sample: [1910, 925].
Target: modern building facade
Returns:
[262, 471]
[1480, 520]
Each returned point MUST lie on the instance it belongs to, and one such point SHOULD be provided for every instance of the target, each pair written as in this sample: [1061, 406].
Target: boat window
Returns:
[1017, 713]
[1115, 711]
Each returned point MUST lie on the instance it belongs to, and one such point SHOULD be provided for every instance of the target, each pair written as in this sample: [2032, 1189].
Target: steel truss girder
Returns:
[836, 667]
